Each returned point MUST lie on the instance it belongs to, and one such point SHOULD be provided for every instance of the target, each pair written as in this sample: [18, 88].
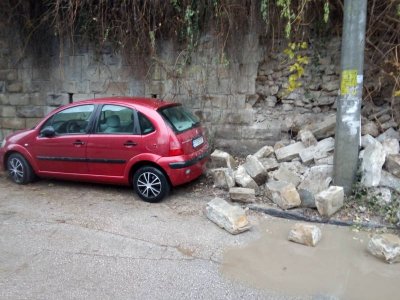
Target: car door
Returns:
[64, 152]
[115, 140]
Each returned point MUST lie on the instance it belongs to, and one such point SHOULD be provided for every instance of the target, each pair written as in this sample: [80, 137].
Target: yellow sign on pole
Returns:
[348, 84]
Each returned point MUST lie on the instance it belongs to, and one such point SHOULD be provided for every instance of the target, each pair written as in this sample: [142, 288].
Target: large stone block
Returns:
[229, 217]
[223, 178]
[390, 181]
[316, 179]
[269, 163]
[7, 111]
[389, 134]
[385, 246]
[392, 164]
[221, 159]
[255, 169]
[284, 174]
[13, 123]
[307, 155]
[329, 201]
[243, 179]
[15, 87]
[290, 152]
[323, 129]
[264, 152]
[391, 146]
[14, 99]
[242, 194]
[305, 234]
[371, 166]
[307, 138]
[30, 111]
[283, 194]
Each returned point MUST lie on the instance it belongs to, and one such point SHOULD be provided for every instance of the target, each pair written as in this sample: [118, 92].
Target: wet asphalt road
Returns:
[63, 240]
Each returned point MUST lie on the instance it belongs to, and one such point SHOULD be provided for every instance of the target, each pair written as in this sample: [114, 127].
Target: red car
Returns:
[148, 143]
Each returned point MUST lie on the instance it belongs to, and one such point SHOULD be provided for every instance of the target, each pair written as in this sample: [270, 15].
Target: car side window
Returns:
[116, 119]
[74, 120]
[145, 124]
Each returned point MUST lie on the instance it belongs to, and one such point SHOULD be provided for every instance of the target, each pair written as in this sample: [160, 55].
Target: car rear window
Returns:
[179, 118]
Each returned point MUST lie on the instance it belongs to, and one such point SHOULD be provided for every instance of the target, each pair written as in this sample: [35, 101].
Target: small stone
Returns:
[255, 169]
[283, 194]
[242, 194]
[329, 201]
[305, 234]
[371, 166]
[229, 217]
[392, 164]
[243, 179]
[385, 246]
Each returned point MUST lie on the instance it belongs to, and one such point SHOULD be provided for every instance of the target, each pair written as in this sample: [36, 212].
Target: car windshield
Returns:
[179, 118]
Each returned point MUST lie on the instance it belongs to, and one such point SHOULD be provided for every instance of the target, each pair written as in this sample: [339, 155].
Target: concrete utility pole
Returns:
[348, 117]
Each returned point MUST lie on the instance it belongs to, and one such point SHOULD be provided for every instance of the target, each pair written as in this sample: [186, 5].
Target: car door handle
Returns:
[129, 144]
[79, 143]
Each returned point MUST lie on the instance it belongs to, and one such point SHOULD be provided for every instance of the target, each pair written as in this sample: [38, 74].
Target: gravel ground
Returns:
[63, 240]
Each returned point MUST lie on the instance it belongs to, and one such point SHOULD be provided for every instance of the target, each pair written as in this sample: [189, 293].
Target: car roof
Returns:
[151, 103]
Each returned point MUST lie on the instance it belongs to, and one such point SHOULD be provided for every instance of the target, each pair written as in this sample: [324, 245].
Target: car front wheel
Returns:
[19, 169]
[150, 184]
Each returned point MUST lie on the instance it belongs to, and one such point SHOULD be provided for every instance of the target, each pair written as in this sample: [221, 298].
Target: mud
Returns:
[339, 267]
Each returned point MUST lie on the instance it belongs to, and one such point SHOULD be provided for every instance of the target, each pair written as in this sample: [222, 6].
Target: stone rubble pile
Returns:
[299, 173]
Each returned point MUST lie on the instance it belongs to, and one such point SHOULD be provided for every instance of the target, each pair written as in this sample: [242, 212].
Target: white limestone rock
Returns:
[371, 166]
[283, 194]
[392, 164]
[306, 234]
[329, 201]
[243, 179]
[255, 169]
[290, 152]
[223, 178]
[386, 247]
[221, 159]
[242, 194]
[229, 217]
[264, 152]
[391, 146]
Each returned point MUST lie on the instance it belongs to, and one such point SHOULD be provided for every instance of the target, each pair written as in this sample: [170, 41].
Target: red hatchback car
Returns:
[148, 143]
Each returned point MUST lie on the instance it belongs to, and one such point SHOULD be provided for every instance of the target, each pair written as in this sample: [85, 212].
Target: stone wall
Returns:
[240, 98]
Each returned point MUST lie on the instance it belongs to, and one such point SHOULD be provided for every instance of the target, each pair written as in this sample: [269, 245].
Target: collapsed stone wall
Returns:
[240, 98]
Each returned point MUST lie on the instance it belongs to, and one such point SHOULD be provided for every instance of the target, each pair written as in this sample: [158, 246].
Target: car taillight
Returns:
[175, 148]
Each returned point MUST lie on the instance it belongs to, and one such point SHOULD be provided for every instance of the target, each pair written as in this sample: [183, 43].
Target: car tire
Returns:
[19, 169]
[150, 184]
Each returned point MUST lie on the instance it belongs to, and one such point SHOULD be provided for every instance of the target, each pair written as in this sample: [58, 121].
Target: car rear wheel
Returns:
[19, 169]
[150, 184]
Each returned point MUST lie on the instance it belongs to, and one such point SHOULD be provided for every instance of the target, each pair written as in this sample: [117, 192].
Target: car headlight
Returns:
[3, 143]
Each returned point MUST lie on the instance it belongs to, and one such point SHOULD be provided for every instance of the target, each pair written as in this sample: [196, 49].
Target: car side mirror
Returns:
[48, 131]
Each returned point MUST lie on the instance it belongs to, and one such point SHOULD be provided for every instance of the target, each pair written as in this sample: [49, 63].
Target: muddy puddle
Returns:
[338, 267]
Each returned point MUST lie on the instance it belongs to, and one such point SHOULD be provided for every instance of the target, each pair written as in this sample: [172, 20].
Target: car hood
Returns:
[18, 135]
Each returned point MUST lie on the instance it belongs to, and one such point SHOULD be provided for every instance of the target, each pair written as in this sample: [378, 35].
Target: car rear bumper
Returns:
[183, 171]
